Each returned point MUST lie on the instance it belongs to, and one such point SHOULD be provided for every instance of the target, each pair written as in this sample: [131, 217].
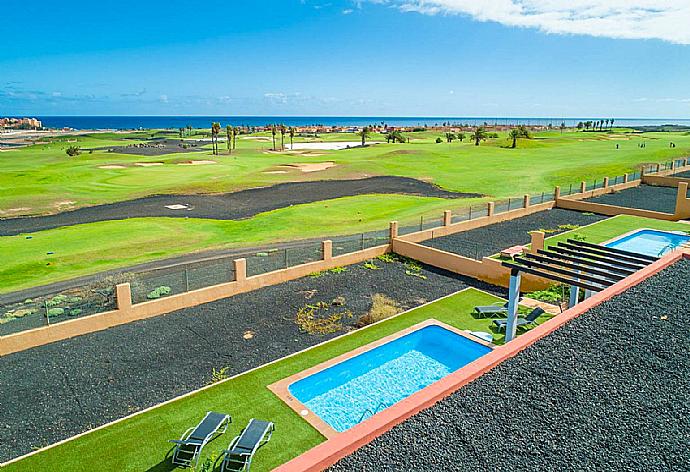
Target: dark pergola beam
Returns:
[607, 260]
[546, 259]
[614, 250]
[587, 262]
[566, 272]
[557, 278]
[586, 250]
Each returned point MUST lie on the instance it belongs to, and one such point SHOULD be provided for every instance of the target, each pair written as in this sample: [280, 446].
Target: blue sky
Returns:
[561, 58]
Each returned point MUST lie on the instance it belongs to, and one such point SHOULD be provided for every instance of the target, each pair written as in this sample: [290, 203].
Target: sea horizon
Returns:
[122, 122]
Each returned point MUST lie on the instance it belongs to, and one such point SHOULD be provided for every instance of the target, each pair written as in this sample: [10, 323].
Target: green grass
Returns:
[610, 228]
[37, 179]
[139, 443]
[94, 247]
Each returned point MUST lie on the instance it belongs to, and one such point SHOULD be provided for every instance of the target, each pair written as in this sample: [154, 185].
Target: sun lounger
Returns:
[521, 322]
[489, 310]
[238, 457]
[189, 446]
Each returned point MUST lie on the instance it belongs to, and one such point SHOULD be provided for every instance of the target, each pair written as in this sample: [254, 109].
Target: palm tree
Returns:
[181, 132]
[189, 130]
[514, 135]
[235, 132]
[390, 136]
[478, 135]
[292, 136]
[215, 131]
[364, 134]
[283, 129]
[273, 133]
[562, 127]
[450, 137]
[229, 132]
[612, 120]
[461, 136]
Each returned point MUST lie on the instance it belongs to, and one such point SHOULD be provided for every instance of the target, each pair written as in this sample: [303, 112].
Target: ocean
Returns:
[175, 122]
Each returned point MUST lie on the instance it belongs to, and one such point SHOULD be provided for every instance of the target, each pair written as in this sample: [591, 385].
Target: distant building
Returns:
[20, 123]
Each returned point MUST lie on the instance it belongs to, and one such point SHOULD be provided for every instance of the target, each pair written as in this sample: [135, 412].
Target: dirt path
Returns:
[229, 206]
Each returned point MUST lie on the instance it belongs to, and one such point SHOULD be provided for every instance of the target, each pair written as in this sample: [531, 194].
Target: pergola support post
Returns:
[574, 295]
[513, 299]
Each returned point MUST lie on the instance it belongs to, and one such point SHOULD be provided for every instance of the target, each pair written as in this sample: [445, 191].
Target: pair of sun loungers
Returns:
[239, 454]
[497, 310]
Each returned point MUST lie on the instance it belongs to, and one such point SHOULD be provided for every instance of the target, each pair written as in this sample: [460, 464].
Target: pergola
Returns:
[579, 264]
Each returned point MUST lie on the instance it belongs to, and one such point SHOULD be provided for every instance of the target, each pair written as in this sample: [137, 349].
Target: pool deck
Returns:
[281, 388]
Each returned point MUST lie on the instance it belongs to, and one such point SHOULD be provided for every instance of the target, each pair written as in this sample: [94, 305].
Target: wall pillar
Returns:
[537, 241]
[393, 230]
[513, 298]
[626, 178]
[606, 182]
[583, 186]
[123, 296]
[682, 202]
[447, 217]
[673, 164]
[658, 168]
[556, 194]
[327, 249]
[240, 269]
[525, 201]
[490, 209]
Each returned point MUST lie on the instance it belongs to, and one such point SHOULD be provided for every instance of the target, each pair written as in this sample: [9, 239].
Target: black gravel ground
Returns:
[644, 197]
[52, 392]
[488, 240]
[609, 391]
[157, 147]
[229, 206]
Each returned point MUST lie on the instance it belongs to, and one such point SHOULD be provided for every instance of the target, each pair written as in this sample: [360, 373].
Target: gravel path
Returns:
[609, 391]
[229, 206]
[645, 197]
[488, 240]
[55, 391]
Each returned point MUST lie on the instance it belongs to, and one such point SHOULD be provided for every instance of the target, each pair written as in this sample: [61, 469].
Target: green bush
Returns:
[75, 312]
[56, 300]
[439, 140]
[53, 312]
[159, 292]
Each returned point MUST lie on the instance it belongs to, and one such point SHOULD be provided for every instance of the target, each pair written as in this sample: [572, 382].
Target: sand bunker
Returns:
[330, 146]
[14, 211]
[315, 167]
[148, 164]
[276, 172]
[113, 166]
[197, 163]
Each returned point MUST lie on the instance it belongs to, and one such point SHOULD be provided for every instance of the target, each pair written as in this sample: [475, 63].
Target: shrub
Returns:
[382, 307]
[414, 268]
[318, 319]
[56, 300]
[371, 265]
[75, 312]
[316, 275]
[53, 312]
[338, 270]
[552, 294]
[220, 374]
[439, 140]
[73, 151]
[388, 257]
[159, 292]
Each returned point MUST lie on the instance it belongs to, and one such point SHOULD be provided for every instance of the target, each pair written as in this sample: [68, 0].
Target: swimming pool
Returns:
[650, 242]
[351, 391]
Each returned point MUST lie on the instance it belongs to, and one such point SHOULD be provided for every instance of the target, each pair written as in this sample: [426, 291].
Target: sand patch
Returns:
[315, 167]
[329, 146]
[196, 163]
[65, 203]
[112, 166]
[257, 138]
[14, 211]
[276, 172]
[148, 164]
[177, 206]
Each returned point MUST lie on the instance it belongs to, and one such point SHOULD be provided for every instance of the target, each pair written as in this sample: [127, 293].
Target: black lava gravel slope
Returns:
[52, 392]
[229, 206]
[644, 197]
[609, 391]
[488, 240]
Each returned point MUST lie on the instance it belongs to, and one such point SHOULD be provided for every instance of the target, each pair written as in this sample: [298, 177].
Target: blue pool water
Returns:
[650, 242]
[353, 390]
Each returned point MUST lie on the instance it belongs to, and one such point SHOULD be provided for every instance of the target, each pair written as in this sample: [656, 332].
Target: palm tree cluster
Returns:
[596, 125]
[231, 133]
[452, 136]
[478, 135]
[215, 131]
[518, 132]
[395, 137]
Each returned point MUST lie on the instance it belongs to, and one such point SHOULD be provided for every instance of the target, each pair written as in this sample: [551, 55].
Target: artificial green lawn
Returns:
[610, 228]
[139, 443]
[95, 247]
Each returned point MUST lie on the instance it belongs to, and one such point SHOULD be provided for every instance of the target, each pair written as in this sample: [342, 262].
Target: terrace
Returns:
[222, 352]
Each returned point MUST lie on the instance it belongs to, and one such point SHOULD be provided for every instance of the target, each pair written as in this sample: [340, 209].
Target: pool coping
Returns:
[281, 387]
[328, 453]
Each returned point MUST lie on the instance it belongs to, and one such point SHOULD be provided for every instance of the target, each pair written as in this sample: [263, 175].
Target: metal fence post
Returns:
[421, 223]
[45, 305]
[186, 279]
[362, 242]
[470, 217]
[286, 258]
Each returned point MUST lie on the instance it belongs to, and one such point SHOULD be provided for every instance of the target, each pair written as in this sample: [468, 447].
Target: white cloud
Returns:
[163, 99]
[347, 11]
[667, 20]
